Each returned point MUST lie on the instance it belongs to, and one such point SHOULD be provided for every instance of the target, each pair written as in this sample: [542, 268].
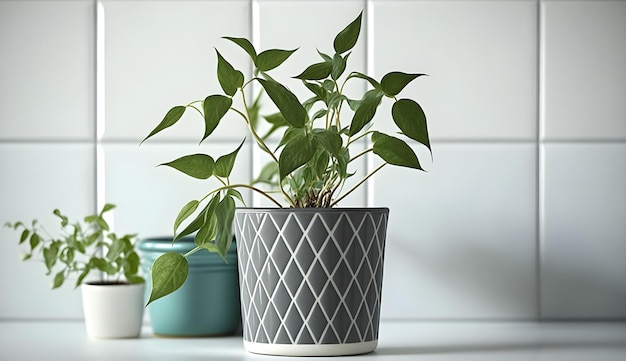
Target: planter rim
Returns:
[164, 244]
[311, 209]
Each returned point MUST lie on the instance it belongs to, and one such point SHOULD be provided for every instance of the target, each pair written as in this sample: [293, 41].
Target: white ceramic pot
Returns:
[113, 310]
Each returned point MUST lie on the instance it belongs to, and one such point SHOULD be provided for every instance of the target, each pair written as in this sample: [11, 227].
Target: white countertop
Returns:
[398, 341]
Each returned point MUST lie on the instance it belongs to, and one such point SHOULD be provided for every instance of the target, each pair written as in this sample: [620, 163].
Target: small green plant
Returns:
[82, 248]
[322, 137]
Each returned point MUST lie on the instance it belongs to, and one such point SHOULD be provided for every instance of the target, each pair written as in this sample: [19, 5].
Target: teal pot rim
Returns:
[312, 210]
[154, 246]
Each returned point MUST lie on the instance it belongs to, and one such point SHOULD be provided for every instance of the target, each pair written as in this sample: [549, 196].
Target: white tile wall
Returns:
[47, 77]
[520, 215]
[584, 49]
[584, 233]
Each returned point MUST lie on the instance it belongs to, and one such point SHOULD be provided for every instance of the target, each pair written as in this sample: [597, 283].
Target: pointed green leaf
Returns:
[245, 45]
[215, 107]
[286, 101]
[329, 140]
[50, 256]
[317, 90]
[24, 236]
[225, 213]
[346, 39]
[185, 212]
[372, 81]
[236, 194]
[206, 233]
[298, 150]
[339, 66]
[200, 219]
[229, 78]
[172, 116]
[194, 165]
[366, 111]
[316, 71]
[268, 174]
[393, 83]
[394, 151]
[107, 207]
[169, 272]
[82, 276]
[58, 280]
[410, 118]
[224, 164]
[270, 59]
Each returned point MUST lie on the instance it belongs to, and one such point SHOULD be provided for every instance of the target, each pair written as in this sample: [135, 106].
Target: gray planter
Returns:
[311, 279]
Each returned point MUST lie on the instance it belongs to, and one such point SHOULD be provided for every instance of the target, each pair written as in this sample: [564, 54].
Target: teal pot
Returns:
[208, 302]
[311, 279]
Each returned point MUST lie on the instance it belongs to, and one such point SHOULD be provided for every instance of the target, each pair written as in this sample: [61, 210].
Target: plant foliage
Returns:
[313, 160]
[81, 248]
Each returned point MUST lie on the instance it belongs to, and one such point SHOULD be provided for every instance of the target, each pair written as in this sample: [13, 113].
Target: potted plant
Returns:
[310, 273]
[185, 313]
[113, 307]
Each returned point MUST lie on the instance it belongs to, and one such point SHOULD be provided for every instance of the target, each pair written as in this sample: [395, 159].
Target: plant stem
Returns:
[361, 154]
[242, 186]
[358, 184]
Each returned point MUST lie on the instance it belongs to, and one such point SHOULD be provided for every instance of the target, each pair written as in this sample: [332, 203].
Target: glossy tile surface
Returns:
[458, 245]
[150, 68]
[481, 58]
[149, 196]
[47, 70]
[584, 48]
[583, 231]
[36, 179]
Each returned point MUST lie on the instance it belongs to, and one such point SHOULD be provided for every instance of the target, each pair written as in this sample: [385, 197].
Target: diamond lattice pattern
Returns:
[311, 277]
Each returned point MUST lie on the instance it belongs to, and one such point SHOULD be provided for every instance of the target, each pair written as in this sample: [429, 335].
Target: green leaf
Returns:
[316, 71]
[268, 174]
[297, 152]
[287, 103]
[366, 111]
[82, 276]
[199, 166]
[393, 83]
[58, 280]
[185, 212]
[24, 236]
[394, 151]
[64, 220]
[215, 107]
[329, 140]
[225, 213]
[193, 225]
[339, 66]
[50, 256]
[172, 116]
[107, 207]
[410, 118]
[134, 279]
[229, 78]
[116, 248]
[206, 233]
[346, 39]
[103, 265]
[169, 272]
[277, 121]
[224, 164]
[236, 194]
[245, 45]
[131, 264]
[270, 59]
[372, 81]
[317, 90]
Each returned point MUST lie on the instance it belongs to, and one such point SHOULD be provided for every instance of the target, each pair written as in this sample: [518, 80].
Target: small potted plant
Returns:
[113, 307]
[310, 272]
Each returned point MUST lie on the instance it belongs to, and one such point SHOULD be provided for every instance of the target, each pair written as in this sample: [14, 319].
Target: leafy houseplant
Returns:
[322, 137]
[83, 248]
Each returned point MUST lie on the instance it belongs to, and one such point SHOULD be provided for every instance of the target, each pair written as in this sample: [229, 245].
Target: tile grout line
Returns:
[539, 160]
